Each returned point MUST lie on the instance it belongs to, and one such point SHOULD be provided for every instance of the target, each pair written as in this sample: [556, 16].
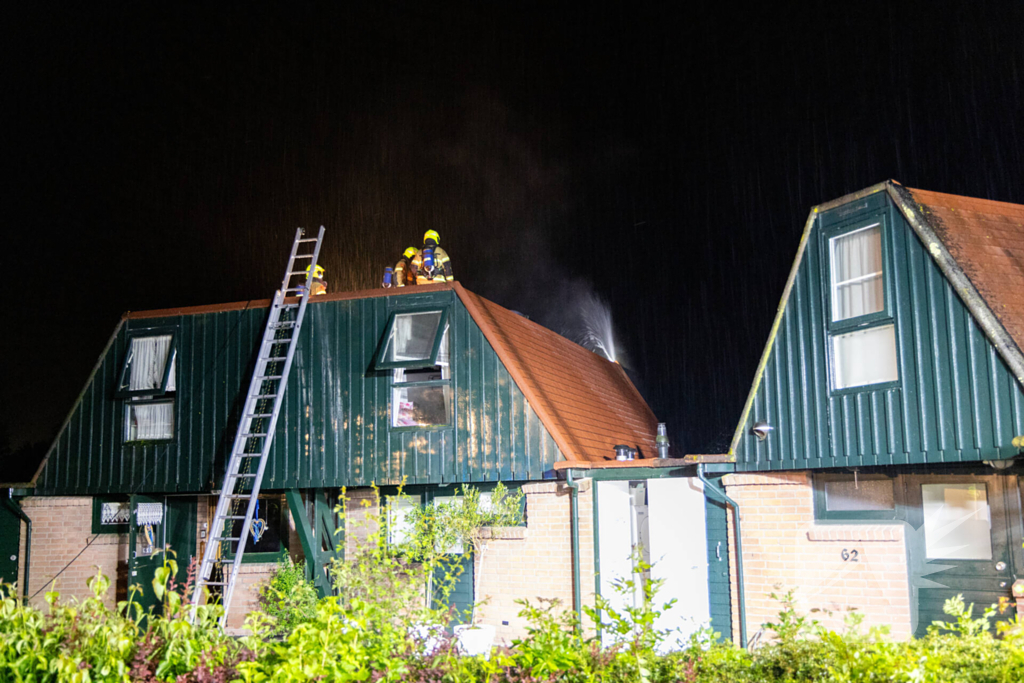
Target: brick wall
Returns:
[535, 561]
[783, 549]
[62, 539]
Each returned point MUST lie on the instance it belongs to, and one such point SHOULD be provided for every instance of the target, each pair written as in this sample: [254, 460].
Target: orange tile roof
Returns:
[986, 238]
[587, 403]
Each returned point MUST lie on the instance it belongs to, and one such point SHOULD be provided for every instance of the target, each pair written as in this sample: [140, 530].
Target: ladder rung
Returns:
[274, 358]
[296, 272]
[226, 538]
[257, 415]
[213, 583]
[245, 475]
[249, 455]
[251, 434]
[308, 239]
[261, 377]
[265, 396]
[282, 325]
[241, 496]
[288, 306]
[233, 517]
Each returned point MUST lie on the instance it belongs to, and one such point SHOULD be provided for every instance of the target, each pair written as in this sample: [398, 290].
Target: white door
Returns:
[679, 554]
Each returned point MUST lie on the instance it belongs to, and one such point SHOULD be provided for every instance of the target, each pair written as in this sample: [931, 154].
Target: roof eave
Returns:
[965, 289]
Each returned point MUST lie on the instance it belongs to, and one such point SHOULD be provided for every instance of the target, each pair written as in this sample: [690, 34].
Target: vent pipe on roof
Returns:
[623, 452]
[662, 441]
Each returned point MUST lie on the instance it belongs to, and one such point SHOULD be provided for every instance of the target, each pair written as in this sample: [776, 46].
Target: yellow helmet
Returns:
[318, 272]
[410, 252]
[431, 235]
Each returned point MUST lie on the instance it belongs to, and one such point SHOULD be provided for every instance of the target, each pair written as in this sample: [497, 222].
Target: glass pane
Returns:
[857, 285]
[412, 337]
[858, 496]
[865, 357]
[437, 372]
[149, 421]
[147, 359]
[957, 523]
[420, 406]
[265, 532]
[115, 513]
[398, 518]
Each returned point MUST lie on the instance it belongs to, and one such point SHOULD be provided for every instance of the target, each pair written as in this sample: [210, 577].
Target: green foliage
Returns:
[385, 627]
[288, 598]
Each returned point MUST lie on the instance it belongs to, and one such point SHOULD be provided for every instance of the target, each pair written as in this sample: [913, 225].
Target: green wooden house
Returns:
[890, 395]
[476, 395]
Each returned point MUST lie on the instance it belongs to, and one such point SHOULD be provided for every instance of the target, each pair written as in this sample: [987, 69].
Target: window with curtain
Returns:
[422, 397]
[863, 337]
[148, 383]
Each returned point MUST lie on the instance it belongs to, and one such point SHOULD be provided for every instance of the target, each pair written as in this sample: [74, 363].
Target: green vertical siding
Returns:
[334, 425]
[955, 401]
[719, 589]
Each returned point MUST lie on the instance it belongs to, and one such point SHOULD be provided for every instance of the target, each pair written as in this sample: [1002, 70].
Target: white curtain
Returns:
[865, 357]
[151, 421]
[147, 362]
[857, 286]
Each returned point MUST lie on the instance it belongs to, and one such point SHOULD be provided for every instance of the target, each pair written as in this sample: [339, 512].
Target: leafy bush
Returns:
[288, 598]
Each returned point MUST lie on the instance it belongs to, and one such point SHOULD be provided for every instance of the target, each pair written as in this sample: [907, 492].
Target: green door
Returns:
[157, 524]
[457, 574]
[10, 542]
[960, 543]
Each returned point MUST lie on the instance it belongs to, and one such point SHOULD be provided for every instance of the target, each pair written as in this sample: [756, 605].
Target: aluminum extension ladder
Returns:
[256, 428]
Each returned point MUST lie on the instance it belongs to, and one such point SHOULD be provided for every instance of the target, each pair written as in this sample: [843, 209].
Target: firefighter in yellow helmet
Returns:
[318, 285]
[405, 269]
[432, 263]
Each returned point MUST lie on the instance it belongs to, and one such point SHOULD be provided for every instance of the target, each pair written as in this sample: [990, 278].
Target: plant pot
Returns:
[475, 640]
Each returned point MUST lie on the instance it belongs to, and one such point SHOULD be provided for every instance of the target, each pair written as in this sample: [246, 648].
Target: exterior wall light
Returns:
[761, 430]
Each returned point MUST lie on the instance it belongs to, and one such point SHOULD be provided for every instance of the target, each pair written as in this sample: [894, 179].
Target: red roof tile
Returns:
[986, 238]
[587, 402]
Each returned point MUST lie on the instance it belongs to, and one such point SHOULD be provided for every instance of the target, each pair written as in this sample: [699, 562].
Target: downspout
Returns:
[16, 509]
[574, 526]
[739, 552]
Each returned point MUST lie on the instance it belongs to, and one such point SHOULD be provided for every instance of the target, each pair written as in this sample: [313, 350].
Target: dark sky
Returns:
[662, 159]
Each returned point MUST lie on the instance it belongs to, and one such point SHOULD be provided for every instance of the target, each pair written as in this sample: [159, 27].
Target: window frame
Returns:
[128, 405]
[98, 527]
[378, 361]
[444, 324]
[252, 557]
[823, 514]
[860, 323]
[172, 355]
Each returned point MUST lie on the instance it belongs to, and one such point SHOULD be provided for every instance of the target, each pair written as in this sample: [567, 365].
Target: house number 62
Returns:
[849, 555]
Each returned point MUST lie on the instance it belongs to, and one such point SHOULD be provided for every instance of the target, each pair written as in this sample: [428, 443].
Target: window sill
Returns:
[425, 428]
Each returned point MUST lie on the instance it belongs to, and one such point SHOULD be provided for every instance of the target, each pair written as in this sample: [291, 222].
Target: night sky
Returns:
[661, 159]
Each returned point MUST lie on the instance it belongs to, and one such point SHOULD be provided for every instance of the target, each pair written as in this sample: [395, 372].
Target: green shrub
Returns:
[288, 598]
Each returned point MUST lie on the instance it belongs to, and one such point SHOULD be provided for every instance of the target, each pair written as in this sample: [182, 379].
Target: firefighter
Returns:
[432, 263]
[319, 284]
[405, 269]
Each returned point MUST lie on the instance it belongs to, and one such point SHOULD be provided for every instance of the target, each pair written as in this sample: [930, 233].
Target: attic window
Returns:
[148, 368]
[412, 339]
[861, 325]
[422, 396]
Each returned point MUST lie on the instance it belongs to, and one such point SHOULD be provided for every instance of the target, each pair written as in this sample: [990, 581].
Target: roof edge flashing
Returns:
[965, 289]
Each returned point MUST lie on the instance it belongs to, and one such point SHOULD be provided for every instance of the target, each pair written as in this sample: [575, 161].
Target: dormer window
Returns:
[415, 348]
[861, 327]
[148, 382]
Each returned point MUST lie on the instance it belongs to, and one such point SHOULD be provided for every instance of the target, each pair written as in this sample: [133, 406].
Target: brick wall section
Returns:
[244, 599]
[784, 549]
[536, 561]
[61, 529]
